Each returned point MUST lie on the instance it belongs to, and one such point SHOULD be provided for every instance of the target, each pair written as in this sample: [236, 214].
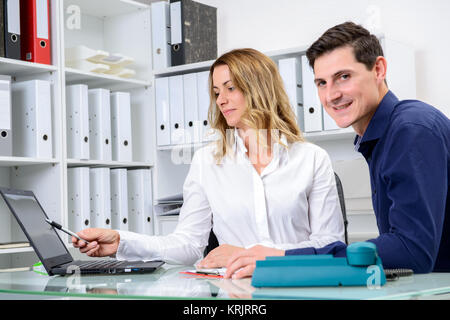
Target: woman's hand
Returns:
[102, 242]
[218, 257]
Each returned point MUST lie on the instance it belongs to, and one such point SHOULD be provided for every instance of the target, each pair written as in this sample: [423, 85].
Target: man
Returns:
[405, 143]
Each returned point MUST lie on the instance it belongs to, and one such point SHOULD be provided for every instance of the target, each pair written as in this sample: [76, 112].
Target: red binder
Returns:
[35, 30]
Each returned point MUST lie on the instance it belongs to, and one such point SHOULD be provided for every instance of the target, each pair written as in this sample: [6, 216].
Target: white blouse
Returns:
[292, 204]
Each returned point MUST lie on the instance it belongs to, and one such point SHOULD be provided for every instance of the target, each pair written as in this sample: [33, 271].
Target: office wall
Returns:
[269, 25]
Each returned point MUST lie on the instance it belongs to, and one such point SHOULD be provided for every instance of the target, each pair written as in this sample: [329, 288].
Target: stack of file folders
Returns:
[169, 206]
[99, 61]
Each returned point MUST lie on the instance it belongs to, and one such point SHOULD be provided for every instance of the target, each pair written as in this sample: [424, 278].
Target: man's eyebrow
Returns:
[223, 83]
[336, 74]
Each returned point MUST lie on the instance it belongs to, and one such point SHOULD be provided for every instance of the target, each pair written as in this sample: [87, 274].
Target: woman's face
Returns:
[229, 99]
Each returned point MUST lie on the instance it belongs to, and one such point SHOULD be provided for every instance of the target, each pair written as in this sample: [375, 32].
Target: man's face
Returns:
[348, 91]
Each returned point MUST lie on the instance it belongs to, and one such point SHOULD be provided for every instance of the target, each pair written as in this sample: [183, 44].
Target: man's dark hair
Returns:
[366, 46]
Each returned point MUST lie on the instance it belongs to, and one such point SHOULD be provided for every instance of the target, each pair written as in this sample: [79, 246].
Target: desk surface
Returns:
[168, 283]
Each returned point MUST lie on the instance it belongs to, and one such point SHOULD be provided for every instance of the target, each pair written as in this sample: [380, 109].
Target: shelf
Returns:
[24, 161]
[185, 68]
[330, 135]
[110, 164]
[96, 80]
[16, 68]
[310, 136]
[16, 250]
[109, 8]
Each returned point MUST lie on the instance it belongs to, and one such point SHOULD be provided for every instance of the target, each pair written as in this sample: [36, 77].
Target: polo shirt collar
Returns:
[380, 120]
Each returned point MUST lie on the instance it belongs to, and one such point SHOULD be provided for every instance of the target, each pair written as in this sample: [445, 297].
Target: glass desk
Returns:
[168, 283]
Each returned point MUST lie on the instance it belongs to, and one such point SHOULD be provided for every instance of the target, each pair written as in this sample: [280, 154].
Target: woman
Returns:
[259, 184]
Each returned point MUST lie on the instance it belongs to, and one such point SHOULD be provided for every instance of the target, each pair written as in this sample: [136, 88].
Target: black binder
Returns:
[11, 29]
[195, 25]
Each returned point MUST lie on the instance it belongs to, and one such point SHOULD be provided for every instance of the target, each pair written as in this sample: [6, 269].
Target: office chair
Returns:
[213, 243]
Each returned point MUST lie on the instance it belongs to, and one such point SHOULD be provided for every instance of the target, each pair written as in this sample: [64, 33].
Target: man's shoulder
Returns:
[418, 114]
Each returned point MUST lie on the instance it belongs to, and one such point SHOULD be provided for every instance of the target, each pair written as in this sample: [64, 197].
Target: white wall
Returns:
[269, 25]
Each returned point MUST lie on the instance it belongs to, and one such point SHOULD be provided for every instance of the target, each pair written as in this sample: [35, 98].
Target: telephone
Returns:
[361, 267]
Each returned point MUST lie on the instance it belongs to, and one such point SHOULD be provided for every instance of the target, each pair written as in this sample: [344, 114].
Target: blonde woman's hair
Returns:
[267, 104]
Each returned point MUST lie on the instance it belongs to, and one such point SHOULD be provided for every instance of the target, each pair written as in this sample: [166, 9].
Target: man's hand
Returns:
[103, 242]
[245, 261]
[218, 257]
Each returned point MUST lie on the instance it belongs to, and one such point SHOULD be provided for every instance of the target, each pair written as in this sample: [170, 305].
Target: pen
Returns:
[60, 227]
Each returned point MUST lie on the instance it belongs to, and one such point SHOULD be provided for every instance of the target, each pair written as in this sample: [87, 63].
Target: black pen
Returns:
[60, 227]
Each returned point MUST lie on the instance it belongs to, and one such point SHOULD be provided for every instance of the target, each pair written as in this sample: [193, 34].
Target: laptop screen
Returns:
[42, 235]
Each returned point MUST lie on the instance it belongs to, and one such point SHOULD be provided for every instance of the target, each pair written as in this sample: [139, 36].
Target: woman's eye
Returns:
[230, 88]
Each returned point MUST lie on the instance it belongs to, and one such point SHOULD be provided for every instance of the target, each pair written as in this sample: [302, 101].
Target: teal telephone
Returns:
[361, 267]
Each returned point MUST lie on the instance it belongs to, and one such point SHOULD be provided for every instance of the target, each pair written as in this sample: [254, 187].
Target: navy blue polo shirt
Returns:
[407, 148]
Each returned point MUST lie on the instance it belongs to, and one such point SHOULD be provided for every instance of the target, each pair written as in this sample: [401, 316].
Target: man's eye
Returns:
[345, 76]
[320, 83]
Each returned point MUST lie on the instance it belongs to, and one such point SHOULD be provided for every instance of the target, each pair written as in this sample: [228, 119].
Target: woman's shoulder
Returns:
[305, 146]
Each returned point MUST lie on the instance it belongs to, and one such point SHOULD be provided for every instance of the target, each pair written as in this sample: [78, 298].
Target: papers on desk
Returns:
[169, 206]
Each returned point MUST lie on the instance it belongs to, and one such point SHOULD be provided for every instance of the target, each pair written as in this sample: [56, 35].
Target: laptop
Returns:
[49, 247]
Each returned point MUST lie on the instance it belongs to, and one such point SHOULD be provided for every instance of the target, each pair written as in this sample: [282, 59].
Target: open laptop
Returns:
[49, 247]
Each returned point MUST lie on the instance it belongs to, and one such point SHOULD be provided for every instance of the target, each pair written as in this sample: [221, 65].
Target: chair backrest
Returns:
[340, 191]
[213, 243]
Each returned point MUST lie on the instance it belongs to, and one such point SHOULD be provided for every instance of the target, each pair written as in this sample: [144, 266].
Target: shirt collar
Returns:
[278, 150]
[379, 122]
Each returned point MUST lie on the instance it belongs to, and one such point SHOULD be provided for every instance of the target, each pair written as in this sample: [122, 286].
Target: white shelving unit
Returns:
[114, 26]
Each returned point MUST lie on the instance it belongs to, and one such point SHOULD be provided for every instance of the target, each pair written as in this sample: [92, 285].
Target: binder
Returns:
[162, 104]
[32, 119]
[100, 124]
[206, 133]
[311, 103]
[193, 33]
[290, 72]
[121, 127]
[6, 143]
[12, 32]
[2, 29]
[35, 26]
[119, 199]
[191, 120]
[140, 203]
[328, 122]
[100, 199]
[160, 35]
[78, 188]
[77, 122]
[176, 99]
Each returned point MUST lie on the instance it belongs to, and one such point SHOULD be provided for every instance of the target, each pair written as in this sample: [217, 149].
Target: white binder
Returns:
[100, 124]
[6, 143]
[203, 105]
[311, 103]
[32, 119]
[122, 149]
[119, 199]
[77, 122]
[162, 111]
[191, 120]
[140, 204]
[100, 204]
[328, 122]
[290, 71]
[176, 99]
[78, 198]
[160, 35]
